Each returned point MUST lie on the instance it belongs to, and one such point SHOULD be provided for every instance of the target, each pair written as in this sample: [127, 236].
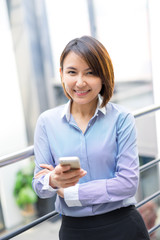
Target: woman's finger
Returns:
[41, 173]
[73, 174]
[66, 185]
[47, 166]
[70, 180]
[59, 169]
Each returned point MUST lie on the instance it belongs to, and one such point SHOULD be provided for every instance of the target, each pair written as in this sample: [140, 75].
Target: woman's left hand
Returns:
[47, 169]
[60, 192]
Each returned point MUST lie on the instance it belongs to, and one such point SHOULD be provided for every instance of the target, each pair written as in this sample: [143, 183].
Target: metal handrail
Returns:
[149, 165]
[29, 151]
[16, 156]
[153, 229]
[146, 110]
[156, 194]
[30, 225]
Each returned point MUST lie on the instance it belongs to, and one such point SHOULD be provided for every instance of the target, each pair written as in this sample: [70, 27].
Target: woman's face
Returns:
[79, 81]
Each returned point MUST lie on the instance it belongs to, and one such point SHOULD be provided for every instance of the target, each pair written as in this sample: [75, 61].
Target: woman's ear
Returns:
[60, 70]
[61, 74]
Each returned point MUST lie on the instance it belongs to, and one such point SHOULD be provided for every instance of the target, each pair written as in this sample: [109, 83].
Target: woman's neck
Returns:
[84, 110]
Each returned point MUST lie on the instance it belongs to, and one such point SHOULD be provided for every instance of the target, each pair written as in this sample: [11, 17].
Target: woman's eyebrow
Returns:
[87, 69]
[71, 68]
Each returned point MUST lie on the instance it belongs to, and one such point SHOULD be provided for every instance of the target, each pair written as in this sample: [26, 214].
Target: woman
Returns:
[97, 200]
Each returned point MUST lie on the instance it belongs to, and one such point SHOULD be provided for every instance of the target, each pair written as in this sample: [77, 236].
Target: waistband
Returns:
[98, 220]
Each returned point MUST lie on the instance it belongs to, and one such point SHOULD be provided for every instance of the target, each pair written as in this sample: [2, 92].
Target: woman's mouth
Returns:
[81, 93]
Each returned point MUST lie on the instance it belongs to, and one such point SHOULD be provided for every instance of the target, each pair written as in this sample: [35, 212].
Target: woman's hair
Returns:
[97, 58]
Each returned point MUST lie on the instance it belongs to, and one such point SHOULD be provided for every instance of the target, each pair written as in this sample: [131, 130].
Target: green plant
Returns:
[23, 190]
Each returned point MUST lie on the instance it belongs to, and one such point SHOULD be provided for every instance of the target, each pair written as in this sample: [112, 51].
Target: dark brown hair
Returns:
[97, 58]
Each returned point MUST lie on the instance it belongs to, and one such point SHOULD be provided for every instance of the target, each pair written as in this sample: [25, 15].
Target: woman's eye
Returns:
[90, 73]
[71, 72]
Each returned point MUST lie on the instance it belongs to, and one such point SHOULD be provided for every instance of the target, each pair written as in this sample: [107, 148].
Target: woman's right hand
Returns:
[61, 177]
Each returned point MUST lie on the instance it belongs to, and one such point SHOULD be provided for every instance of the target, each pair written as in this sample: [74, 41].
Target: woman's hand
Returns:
[47, 169]
[61, 177]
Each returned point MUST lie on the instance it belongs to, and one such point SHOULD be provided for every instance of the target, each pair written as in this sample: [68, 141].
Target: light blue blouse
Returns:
[107, 151]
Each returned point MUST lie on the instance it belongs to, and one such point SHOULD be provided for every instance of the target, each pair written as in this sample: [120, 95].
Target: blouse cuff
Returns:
[46, 185]
[71, 196]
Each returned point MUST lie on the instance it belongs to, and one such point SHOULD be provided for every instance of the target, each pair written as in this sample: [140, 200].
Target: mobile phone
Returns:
[74, 162]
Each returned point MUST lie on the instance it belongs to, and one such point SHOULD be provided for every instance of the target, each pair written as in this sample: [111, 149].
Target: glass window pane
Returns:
[67, 20]
[123, 28]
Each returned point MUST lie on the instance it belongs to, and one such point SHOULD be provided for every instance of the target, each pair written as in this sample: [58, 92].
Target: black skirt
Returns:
[122, 224]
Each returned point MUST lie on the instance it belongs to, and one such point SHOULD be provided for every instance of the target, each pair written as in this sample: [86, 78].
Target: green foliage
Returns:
[23, 190]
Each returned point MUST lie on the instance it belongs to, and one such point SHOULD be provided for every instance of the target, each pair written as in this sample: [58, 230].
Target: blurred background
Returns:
[33, 34]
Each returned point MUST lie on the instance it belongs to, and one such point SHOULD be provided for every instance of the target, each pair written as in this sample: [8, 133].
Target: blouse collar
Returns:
[66, 112]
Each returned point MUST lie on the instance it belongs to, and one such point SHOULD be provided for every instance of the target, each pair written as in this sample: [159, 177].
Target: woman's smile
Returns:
[81, 84]
[81, 93]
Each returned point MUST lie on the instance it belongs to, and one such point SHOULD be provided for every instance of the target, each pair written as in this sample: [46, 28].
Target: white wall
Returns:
[12, 125]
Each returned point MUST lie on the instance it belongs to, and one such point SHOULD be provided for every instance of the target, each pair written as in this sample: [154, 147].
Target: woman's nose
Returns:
[80, 82]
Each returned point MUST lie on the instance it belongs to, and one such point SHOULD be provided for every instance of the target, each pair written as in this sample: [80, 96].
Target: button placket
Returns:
[84, 155]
